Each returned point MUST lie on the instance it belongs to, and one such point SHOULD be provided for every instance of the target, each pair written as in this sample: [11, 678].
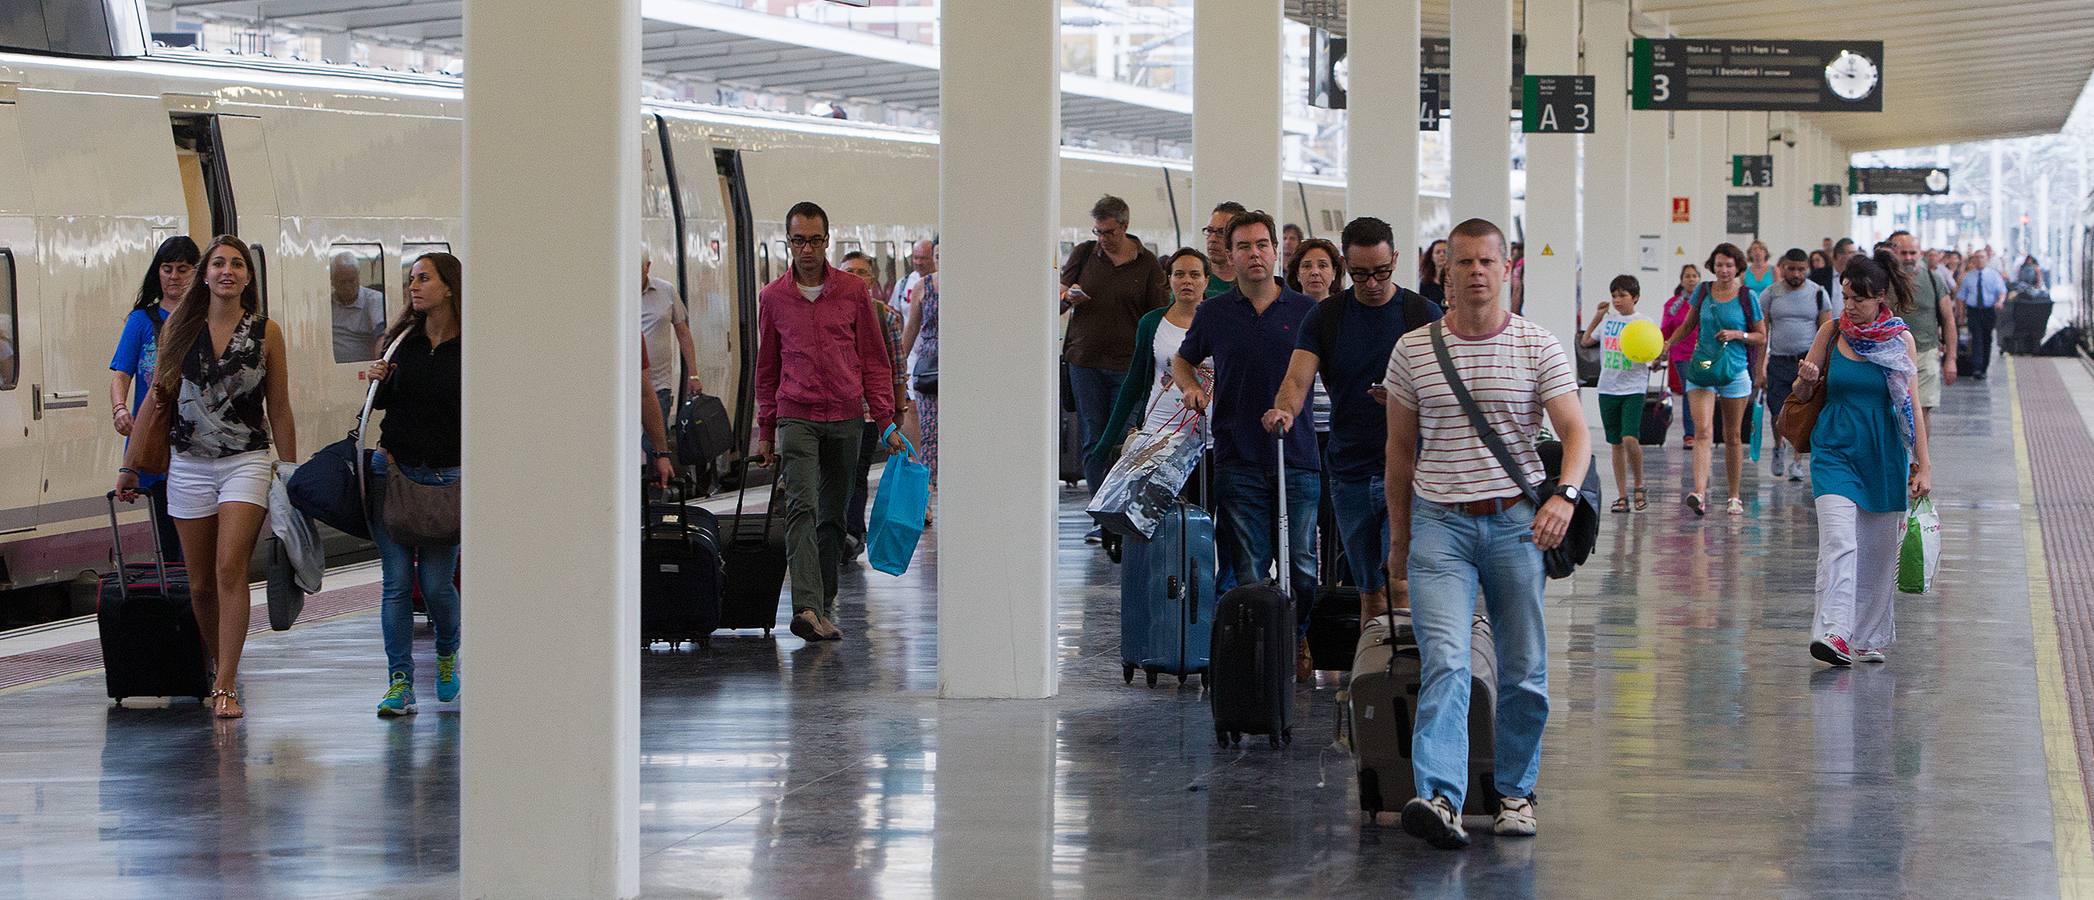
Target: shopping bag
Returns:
[1752, 425]
[1919, 548]
[898, 510]
[1143, 486]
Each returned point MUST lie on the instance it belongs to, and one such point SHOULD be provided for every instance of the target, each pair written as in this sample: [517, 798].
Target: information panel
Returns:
[1741, 214]
[1748, 170]
[1431, 103]
[1556, 104]
[1915, 180]
[1824, 195]
[1776, 76]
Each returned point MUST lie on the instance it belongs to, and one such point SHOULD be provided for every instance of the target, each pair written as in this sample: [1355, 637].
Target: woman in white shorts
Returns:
[225, 367]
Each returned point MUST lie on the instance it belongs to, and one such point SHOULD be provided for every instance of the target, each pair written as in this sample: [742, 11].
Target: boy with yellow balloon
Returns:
[1628, 344]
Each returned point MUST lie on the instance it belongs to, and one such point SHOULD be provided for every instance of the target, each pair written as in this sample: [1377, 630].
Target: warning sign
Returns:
[1547, 250]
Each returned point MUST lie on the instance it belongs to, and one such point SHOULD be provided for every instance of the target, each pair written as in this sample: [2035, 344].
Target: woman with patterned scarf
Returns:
[1866, 436]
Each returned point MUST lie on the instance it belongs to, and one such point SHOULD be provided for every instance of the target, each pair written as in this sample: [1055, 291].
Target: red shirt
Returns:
[823, 360]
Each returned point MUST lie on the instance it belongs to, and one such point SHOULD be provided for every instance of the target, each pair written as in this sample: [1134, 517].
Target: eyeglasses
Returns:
[1212, 231]
[1378, 273]
[819, 240]
[1102, 232]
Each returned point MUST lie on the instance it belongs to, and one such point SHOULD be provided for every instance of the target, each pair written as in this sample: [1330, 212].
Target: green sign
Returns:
[1865, 208]
[1758, 75]
[1556, 104]
[1824, 195]
[1747, 170]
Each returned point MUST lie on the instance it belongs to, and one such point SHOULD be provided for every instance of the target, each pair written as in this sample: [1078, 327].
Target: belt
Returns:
[1489, 507]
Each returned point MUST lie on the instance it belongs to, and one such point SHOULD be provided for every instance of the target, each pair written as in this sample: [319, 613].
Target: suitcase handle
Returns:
[116, 537]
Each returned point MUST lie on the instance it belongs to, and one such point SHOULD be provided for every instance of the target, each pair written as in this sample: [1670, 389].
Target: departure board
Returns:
[1912, 180]
[1776, 76]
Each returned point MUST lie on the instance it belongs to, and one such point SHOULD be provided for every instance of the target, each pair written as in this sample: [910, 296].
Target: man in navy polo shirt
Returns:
[1250, 332]
[1348, 339]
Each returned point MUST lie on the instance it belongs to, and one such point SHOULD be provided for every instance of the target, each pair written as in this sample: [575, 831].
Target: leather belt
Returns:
[1489, 507]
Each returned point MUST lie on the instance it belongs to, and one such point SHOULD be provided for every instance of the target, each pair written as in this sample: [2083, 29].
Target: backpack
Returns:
[1417, 312]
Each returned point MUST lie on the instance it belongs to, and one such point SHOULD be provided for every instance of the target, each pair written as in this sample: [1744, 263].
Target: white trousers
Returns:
[1857, 572]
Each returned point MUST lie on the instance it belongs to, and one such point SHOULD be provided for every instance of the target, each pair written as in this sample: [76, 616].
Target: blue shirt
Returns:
[1982, 288]
[1250, 352]
[138, 355]
[1356, 359]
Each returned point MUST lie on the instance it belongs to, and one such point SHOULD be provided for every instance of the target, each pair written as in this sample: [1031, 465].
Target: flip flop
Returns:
[1642, 500]
[1620, 505]
[1700, 507]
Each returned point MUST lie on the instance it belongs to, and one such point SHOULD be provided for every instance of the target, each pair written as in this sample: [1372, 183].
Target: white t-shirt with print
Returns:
[1619, 376]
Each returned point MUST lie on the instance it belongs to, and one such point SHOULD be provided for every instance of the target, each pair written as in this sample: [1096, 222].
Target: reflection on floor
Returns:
[1694, 750]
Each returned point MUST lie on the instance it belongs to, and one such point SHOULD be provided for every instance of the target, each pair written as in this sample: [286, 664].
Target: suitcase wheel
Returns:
[1127, 672]
[1152, 678]
[1273, 741]
[767, 634]
[1181, 678]
[1221, 738]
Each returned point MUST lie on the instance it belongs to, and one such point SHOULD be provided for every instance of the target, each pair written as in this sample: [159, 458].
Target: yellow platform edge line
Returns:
[2072, 834]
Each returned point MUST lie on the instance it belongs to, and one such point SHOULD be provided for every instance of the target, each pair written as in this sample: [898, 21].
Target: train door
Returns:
[21, 455]
[734, 199]
[227, 182]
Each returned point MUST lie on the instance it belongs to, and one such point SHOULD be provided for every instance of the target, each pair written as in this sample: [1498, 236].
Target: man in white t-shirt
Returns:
[663, 318]
[1458, 521]
[358, 312]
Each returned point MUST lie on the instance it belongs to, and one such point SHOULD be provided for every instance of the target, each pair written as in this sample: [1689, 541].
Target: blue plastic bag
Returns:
[897, 513]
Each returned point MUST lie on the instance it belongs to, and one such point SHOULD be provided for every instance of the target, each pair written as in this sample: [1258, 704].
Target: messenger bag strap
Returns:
[1468, 405]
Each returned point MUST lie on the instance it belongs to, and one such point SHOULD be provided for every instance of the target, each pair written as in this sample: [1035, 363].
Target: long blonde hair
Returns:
[188, 322]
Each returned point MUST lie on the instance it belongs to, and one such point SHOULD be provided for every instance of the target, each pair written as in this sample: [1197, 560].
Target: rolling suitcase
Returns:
[151, 646]
[1657, 415]
[1380, 704]
[680, 575]
[1250, 671]
[1071, 449]
[752, 553]
[1334, 619]
[1167, 597]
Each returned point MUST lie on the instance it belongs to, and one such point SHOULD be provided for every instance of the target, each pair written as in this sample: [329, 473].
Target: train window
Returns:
[356, 300]
[10, 332]
[763, 262]
[408, 254]
[261, 275]
[890, 262]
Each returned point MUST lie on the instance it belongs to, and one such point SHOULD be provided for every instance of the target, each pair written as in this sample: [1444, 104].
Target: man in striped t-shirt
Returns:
[1458, 521]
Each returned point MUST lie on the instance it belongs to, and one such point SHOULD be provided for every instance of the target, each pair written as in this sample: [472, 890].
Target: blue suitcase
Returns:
[1167, 597]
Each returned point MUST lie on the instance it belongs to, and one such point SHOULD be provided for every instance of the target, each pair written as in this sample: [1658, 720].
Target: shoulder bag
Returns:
[330, 486]
[417, 514]
[1584, 532]
[1719, 368]
[151, 446]
[1799, 413]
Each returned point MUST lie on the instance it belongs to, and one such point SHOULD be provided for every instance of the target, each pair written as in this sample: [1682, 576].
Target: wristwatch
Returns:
[1568, 492]
[658, 454]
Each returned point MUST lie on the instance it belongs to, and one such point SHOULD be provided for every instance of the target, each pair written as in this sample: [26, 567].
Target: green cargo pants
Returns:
[817, 461]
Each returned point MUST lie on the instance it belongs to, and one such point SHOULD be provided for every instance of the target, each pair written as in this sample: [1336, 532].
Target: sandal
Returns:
[225, 704]
[1700, 507]
[1620, 505]
[1642, 499]
[1735, 507]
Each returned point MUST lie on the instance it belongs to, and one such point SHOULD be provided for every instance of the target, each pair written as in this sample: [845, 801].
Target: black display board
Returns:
[1913, 180]
[1741, 214]
[1752, 170]
[1556, 104]
[1760, 75]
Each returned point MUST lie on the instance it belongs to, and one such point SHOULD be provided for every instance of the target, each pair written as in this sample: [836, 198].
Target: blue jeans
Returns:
[1095, 390]
[1453, 553]
[1249, 492]
[1362, 510]
[667, 398]
[434, 567]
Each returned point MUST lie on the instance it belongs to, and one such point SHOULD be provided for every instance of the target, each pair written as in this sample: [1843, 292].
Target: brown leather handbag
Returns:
[151, 441]
[1799, 414]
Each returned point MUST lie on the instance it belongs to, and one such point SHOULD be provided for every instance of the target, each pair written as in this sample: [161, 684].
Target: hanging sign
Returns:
[1327, 70]
[1916, 180]
[1865, 208]
[1556, 104]
[1824, 195]
[1749, 170]
[1741, 214]
[1758, 75]
[1432, 105]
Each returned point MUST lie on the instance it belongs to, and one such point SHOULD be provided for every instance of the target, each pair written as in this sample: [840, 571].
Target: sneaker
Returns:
[1832, 650]
[1687, 443]
[1870, 655]
[1780, 465]
[1515, 817]
[807, 626]
[1436, 822]
[399, 697]
[447, 678]
[1097, 536]
[853, 546]
[1798, 468]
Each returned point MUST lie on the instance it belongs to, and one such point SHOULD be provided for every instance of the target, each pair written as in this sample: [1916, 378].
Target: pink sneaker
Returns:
[1832, 649]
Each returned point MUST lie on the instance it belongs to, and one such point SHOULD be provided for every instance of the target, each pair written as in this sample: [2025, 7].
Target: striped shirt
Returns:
[1511, 373]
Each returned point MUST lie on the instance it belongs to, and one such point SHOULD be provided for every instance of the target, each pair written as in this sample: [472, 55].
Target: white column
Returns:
[1715, 184]
[1237, 81]
[1381, 115]
[550, 786]
[1552, 180]
[1650, 200]
[1683, 177]
[999, 177]
[1607, 251]
[1481, 85]
[1790, 196]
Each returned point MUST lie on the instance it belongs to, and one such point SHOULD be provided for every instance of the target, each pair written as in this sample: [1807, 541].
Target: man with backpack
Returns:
[1932, 321]
[1347, 339]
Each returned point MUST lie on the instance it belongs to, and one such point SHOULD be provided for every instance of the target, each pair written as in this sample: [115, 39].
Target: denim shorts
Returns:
[1739, 388]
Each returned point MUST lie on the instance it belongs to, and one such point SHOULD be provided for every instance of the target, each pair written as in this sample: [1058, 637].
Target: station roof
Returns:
[1953, 70]
[747, 49]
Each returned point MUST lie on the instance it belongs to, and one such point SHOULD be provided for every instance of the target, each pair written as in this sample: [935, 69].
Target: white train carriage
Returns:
[101, 160]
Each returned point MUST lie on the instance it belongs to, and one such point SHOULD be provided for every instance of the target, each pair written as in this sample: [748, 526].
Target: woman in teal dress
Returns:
[1866, 436]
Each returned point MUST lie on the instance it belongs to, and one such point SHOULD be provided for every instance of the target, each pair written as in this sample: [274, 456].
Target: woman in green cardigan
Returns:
[1156, 339]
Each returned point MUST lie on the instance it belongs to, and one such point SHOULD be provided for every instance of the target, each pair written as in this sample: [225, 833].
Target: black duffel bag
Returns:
[329, 487]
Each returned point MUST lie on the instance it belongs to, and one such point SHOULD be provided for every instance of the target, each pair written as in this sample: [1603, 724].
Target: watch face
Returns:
[1851, 76]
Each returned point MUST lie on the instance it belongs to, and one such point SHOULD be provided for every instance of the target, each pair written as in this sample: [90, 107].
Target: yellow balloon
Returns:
[1641, 342]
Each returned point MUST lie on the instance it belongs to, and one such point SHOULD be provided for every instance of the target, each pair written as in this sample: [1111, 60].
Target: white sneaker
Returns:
[1798, 468]
[1781, 460]
[1436, 821]
[1515, 817]
[1870, 655]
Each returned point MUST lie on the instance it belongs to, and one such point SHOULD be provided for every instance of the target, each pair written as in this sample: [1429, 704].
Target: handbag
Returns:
[1799, 413]
[1722, 368]
[330, 486]
[417, 514]
[926, 375]
[151, 446]
[1584, 532]
[897, 511]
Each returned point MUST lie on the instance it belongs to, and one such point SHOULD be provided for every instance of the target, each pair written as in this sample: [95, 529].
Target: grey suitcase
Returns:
[1381, 703]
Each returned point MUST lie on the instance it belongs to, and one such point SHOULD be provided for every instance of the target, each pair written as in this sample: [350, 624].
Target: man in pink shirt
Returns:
[810, 416]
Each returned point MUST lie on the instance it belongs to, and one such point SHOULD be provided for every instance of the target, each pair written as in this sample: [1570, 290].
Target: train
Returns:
[317, 164]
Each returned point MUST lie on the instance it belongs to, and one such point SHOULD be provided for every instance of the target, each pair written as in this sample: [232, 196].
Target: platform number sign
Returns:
[1749, 170]
[1430, 101]
[1865, 208]
[1556, 104]
[1755, 74]
[1825, 195]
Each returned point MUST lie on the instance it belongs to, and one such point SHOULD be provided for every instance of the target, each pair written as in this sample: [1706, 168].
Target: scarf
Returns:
[1879, 342]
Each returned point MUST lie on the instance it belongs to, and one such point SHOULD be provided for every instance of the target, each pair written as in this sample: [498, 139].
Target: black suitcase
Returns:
[151, 646]
[1334, 620]
[1072, 449]
[752, 551]
[1657, 420]
[1250, 669]
[680, 575]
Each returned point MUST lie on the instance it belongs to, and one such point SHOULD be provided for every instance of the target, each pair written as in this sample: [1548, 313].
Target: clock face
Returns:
[1342, 74]
[1851, 75]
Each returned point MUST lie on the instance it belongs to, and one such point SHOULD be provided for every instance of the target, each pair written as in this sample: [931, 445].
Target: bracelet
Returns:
[119, 408]
[126, 470]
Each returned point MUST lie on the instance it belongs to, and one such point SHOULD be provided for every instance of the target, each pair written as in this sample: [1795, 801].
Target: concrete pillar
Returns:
[1381, 115]
[1683, 178]
[999, 177]
[1790, 195]
[1608, 250]
[1237, 81]
[550, 785]
[1552, 180]
[1481, 183]
[1650, 180]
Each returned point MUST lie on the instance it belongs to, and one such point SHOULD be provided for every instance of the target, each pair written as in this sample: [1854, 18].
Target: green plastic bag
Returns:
[1752, 424]
[1919, 548]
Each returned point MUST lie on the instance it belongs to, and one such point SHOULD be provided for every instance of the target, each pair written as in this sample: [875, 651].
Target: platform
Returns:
[1695, 749]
